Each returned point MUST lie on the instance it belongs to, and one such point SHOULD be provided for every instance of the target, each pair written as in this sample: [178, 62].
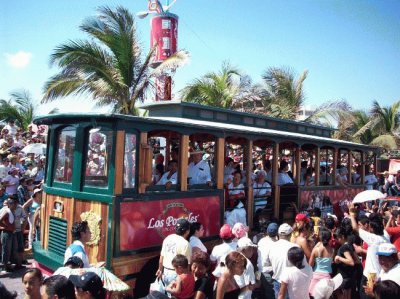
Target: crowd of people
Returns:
[21, 176]
[353, 257]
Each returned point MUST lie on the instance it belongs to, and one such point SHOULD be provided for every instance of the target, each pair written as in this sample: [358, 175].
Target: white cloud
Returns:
[18, 60]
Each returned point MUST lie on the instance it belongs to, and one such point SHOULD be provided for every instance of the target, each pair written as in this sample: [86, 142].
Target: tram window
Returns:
[130, 161]
[65, 155]
[99, 144]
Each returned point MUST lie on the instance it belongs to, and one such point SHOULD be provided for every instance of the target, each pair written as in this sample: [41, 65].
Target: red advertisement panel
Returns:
[164, 35]
[146, 224]
[338, 198]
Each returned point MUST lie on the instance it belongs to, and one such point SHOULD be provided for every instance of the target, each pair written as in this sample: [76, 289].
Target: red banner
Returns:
[146, 224]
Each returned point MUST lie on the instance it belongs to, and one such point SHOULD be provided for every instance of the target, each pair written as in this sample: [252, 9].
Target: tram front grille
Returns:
[57, 235]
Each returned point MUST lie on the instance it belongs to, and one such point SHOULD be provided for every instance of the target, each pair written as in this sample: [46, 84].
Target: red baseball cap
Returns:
[225, 232]
[302, 217]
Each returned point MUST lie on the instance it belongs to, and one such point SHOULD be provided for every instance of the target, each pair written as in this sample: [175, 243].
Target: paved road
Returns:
[13, 281]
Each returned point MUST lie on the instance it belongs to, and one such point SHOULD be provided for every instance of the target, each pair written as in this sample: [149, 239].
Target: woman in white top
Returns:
[196, 232]
[236, 188]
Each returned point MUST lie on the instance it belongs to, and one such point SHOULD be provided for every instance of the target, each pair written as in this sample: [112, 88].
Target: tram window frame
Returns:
[110, 148]
[58, 132]
[134, 188]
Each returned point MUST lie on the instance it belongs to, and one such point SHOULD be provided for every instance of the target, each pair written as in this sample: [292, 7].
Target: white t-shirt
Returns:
[219, 252]
[277, 257]
[373, 241]
[5, 210]
[284, 178]
[196, 242]
[238, 214]
[248, 277]
[298, 281]
[261, 189]
[173, 245]
[263, 263]
[393, 274]
[164, 179]
[235, 190]
[81, 254]
[3, 171]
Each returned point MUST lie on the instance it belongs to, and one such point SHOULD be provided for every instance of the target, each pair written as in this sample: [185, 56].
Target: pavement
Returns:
[13, 280]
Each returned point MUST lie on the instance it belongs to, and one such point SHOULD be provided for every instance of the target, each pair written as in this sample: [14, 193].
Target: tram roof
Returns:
[226, 129]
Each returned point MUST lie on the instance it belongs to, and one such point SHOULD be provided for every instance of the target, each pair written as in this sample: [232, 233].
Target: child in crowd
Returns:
[296, 280]
[183, 286]
[32, 281]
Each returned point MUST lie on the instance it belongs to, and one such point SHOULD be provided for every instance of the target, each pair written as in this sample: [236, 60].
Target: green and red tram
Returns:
[100, 168]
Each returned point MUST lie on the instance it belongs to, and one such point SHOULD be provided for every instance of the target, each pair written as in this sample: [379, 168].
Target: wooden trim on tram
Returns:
[317, 166]
[119, 161]
[220, 162]
[275, 167]
[183, 162]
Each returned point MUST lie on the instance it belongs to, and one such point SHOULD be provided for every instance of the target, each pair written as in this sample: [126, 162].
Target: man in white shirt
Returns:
[373, 238]
[198, 170]
[220, 251]
[172, 245]
[170, 177]
[263, 263]
[277, 255]
[80, 234]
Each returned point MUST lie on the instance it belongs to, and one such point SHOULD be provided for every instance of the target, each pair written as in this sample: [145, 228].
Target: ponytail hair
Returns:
[325, 235]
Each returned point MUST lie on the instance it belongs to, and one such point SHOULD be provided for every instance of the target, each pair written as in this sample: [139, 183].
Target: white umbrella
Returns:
[35, 148]
[368, 195]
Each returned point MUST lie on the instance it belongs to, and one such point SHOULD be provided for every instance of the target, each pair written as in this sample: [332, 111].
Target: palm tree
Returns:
[19, 107]
[109, 67]
[283, 94]
[223, 89]
[384, 122]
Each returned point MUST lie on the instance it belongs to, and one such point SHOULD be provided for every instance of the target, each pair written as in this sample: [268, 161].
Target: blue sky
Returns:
[350, 48]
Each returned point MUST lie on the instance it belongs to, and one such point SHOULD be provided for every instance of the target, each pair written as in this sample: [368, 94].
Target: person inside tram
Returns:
[356, 175]
[228, 170]
[308, 177]
[261, 187]
[324, 176]
[268, 171]
[303, 170]
[370, 178]
[283, 176]
[198, 169]
[170, 177]
[236, 188]
[341, 176]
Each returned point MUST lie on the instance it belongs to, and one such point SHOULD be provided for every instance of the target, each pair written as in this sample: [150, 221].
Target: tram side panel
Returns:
[142, 225]
[58, 214]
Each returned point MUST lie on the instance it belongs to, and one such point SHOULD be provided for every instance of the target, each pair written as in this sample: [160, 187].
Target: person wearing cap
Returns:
[172, 245]
[31, 206]
[81, 234]
[374, 237]
[299, 223]
[388, 182]
[389, 261]
[219, 252]
[7, 227]
[88, 286]
[198, 170]
[277, 255]
[304, 232]
[263, 262]
[247, 281]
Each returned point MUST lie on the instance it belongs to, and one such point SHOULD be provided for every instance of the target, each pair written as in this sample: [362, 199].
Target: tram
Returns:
[101, 169]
